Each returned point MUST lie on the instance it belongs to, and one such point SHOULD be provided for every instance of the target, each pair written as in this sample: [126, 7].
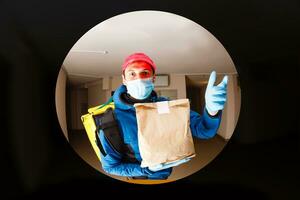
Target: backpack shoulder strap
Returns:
[108, 124]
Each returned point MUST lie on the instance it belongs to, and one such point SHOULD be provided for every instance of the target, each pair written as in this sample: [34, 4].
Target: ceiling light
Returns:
[89, 51]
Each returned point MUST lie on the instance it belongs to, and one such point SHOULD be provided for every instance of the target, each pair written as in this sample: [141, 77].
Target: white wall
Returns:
[232, 107]
[116, 81]
[177, 82]
[98, 91]
[96, 94]
[60, 100]
[78, 97]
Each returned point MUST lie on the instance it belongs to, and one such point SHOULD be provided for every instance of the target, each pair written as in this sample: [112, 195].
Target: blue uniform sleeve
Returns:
[205, 126]
[112, 162]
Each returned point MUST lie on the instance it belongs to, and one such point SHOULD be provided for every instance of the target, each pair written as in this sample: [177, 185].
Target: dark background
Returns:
[260, 161]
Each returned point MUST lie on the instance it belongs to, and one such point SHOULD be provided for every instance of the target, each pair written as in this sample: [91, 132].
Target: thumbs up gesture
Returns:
[215, 96]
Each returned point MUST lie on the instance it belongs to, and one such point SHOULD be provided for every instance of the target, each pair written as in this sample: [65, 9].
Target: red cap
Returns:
[138, 57]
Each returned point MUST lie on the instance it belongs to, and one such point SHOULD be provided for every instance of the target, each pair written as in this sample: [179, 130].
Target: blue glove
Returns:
[171, 164]
[215, 96]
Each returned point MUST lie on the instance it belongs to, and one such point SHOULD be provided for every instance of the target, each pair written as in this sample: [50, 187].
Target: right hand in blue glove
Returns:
[215, 96]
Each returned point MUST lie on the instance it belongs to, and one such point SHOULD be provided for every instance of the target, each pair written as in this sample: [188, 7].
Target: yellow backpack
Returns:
[91, 128]
[90, 125]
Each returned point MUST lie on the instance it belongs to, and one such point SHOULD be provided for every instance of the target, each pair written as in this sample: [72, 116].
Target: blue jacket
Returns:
[203, 127]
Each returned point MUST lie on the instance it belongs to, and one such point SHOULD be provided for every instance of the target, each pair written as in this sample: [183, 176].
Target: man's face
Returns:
[138, 70]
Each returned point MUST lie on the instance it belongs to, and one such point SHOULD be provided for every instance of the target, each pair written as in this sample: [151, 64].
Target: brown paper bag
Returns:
[164, 133]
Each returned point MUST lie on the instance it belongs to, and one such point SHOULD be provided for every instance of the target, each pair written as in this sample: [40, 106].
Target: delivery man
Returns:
[138, 74]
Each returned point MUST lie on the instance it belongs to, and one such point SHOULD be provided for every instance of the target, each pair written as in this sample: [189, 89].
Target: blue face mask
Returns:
[140, 88]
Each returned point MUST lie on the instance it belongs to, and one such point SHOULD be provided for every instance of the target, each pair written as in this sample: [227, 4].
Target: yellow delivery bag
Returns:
[90, 125]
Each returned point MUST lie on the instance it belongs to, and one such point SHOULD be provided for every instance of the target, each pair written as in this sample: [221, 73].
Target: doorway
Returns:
[195, 91]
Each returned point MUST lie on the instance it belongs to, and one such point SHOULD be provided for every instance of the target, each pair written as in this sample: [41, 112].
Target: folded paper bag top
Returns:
[164, 134]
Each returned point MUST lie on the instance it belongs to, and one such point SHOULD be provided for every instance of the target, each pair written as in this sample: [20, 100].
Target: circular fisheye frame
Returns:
[148, 97]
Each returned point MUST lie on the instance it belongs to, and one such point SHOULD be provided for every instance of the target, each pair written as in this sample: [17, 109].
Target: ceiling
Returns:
[176, 44]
